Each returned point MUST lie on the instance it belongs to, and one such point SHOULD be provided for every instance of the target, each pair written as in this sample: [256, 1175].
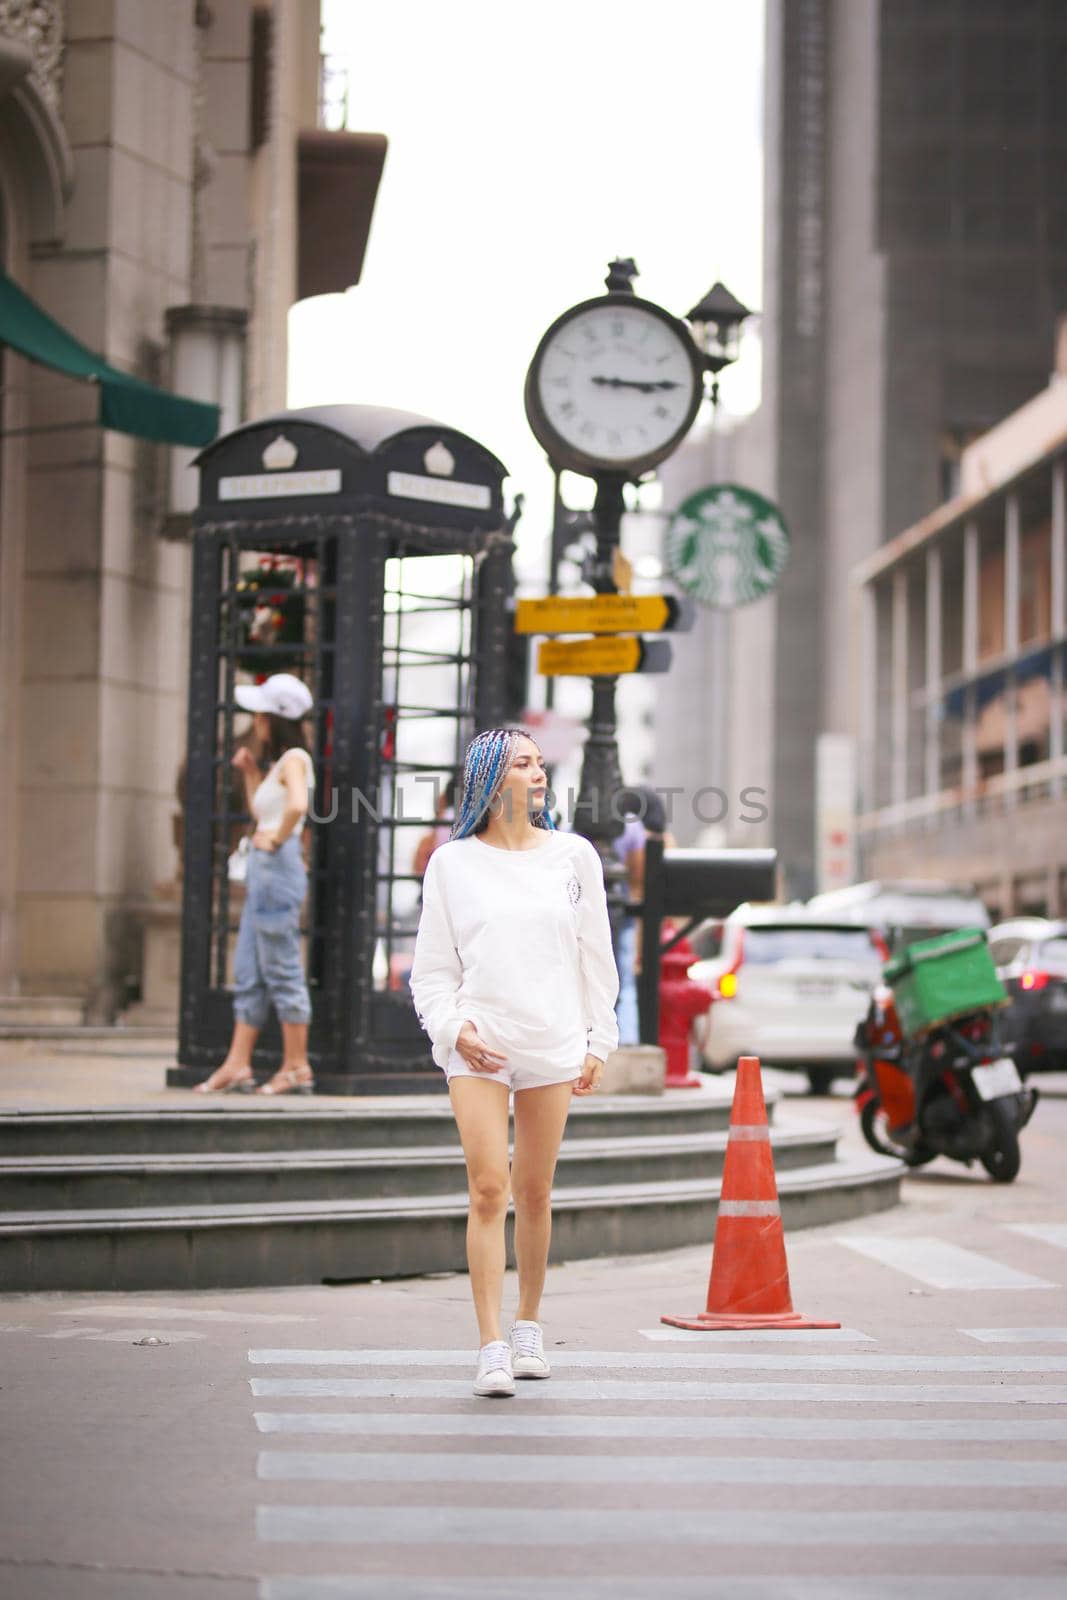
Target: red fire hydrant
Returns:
[680, 1000]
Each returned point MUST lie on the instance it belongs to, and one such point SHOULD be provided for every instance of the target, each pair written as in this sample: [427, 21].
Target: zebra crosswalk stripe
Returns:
[941, 1265]
[525, 1423]
[518, 1525]
[669, 1392]
[1054, 1233]
[294, 1466]
[678, 1361]
[1017, 1335]
[704, 1588]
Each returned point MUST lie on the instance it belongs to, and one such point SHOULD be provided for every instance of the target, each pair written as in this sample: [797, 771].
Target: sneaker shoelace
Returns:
[496, 1357]
[526, 1339]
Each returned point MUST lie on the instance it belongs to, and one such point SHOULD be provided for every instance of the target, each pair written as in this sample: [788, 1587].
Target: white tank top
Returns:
[272, 797]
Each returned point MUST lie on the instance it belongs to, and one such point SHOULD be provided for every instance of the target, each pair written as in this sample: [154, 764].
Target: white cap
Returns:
[281, 695]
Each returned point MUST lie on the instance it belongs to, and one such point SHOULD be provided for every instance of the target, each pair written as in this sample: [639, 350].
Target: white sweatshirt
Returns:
[517, 942]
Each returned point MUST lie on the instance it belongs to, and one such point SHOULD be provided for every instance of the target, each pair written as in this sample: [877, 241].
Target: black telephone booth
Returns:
[365, 551]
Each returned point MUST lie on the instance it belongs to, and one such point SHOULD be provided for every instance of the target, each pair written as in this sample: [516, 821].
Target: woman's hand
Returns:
[261, 840]
[592, 1072]
[476, 1053]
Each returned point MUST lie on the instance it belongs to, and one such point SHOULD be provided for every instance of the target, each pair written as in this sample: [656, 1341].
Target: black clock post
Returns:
[598, 814]
[614, 386]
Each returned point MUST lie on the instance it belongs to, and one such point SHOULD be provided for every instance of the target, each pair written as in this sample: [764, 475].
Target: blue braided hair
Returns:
[485, 766]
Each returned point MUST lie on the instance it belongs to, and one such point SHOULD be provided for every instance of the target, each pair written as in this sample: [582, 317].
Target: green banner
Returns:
[126, 403]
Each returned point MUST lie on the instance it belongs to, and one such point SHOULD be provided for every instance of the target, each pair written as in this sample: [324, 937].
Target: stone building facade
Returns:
[160, 168]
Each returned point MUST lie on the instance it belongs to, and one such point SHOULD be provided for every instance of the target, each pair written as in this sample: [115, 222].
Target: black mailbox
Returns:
[694, 884]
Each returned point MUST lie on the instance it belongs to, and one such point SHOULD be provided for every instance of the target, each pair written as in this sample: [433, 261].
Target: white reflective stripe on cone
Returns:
[756, 1132]
[749, 1208]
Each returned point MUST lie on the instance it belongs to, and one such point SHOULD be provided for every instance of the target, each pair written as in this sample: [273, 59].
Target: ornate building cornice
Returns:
[38, 24]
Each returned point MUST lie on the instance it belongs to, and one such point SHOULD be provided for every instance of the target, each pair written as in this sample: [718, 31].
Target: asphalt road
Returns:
[301, 1444]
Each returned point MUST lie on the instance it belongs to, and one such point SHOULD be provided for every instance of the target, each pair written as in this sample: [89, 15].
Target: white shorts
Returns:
[516, 1077]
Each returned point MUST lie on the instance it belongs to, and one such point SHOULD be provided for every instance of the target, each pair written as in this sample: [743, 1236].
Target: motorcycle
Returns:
[953, 1091]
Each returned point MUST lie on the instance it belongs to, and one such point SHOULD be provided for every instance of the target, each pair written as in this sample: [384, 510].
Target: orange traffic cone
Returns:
[749, 1285]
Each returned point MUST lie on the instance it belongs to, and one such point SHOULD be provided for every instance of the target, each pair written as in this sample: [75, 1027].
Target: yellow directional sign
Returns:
[601, 658]
[603, 613]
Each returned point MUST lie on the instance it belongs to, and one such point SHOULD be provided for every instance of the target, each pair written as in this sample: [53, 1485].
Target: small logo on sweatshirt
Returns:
[574, 890]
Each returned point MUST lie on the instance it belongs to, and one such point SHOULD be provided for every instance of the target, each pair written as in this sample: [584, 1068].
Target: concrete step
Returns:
[243, 1123]
[210, 1246]
[28, 1012]
[100, 1182]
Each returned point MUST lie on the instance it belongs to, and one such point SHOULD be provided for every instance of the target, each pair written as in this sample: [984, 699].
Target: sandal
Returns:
[223, 1082]
[290, 1080]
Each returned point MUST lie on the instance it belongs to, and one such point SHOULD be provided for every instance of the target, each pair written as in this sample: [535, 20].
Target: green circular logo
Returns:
[726, 546]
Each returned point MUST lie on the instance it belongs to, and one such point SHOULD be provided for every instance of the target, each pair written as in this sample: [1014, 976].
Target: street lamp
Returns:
[716, 321]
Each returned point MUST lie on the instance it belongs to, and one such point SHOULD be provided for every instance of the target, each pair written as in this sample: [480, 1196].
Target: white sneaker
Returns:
[494, 1376]
[528, 1351]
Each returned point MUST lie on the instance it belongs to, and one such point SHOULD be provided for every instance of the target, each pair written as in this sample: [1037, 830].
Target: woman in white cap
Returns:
[515, 982]
[267, 966]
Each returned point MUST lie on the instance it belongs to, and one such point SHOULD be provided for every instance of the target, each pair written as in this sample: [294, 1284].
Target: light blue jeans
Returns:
[266, 962]
[626, 1005]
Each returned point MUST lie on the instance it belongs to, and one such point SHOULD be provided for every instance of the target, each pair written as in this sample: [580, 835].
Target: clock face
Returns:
[616, 383]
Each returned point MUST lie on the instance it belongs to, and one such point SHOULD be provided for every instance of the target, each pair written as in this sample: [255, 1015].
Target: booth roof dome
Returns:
[369, 427]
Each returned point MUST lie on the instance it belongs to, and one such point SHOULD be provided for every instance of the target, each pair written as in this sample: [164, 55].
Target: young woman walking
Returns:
[266, 962]
[515, 982]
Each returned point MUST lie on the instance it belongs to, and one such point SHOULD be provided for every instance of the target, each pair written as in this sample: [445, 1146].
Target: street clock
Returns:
[614, 386]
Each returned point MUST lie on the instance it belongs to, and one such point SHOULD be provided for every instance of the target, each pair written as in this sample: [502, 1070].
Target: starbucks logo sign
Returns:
[726, 546]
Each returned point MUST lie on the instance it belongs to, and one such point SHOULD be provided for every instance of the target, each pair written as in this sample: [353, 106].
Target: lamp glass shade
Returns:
[207, 362]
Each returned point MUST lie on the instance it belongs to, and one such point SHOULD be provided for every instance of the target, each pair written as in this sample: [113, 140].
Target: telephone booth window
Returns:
[427, 712]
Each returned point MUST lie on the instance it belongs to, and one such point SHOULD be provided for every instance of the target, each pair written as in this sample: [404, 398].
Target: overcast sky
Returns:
[527, 146]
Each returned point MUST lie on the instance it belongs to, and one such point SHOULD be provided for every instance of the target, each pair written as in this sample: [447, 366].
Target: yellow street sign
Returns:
[601, 658]
[603, 613]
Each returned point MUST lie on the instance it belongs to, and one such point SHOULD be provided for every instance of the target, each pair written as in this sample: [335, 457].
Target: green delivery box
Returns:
[935, 980]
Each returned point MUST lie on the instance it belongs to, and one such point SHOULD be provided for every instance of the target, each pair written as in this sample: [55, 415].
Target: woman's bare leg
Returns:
[540, 1117]
[242, 1043]
[481, 1110]
[238, 1062]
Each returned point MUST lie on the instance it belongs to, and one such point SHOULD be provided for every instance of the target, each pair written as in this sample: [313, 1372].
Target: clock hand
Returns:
[646, 386]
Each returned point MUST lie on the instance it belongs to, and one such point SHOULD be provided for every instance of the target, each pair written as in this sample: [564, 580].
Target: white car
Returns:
[788, 987]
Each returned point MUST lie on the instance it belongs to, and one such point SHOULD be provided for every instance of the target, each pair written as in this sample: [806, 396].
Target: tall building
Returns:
[915, 266]
[959, 655]
[167, 190]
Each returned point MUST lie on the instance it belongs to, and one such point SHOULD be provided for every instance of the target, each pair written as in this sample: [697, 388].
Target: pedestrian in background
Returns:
[515, 982]
[444, 813]
[267, 965]
[630, 849]
[648, 806]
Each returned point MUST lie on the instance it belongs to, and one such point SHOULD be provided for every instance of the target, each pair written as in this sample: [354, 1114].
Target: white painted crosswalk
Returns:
[668, 1390]
[941, 1265]
[677, 1361]
[1049, 1335]
[735, 1459]
[333, 1466]
[527, 1422]
[506, 1587]
[1054, 1233]
[517, 1525]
